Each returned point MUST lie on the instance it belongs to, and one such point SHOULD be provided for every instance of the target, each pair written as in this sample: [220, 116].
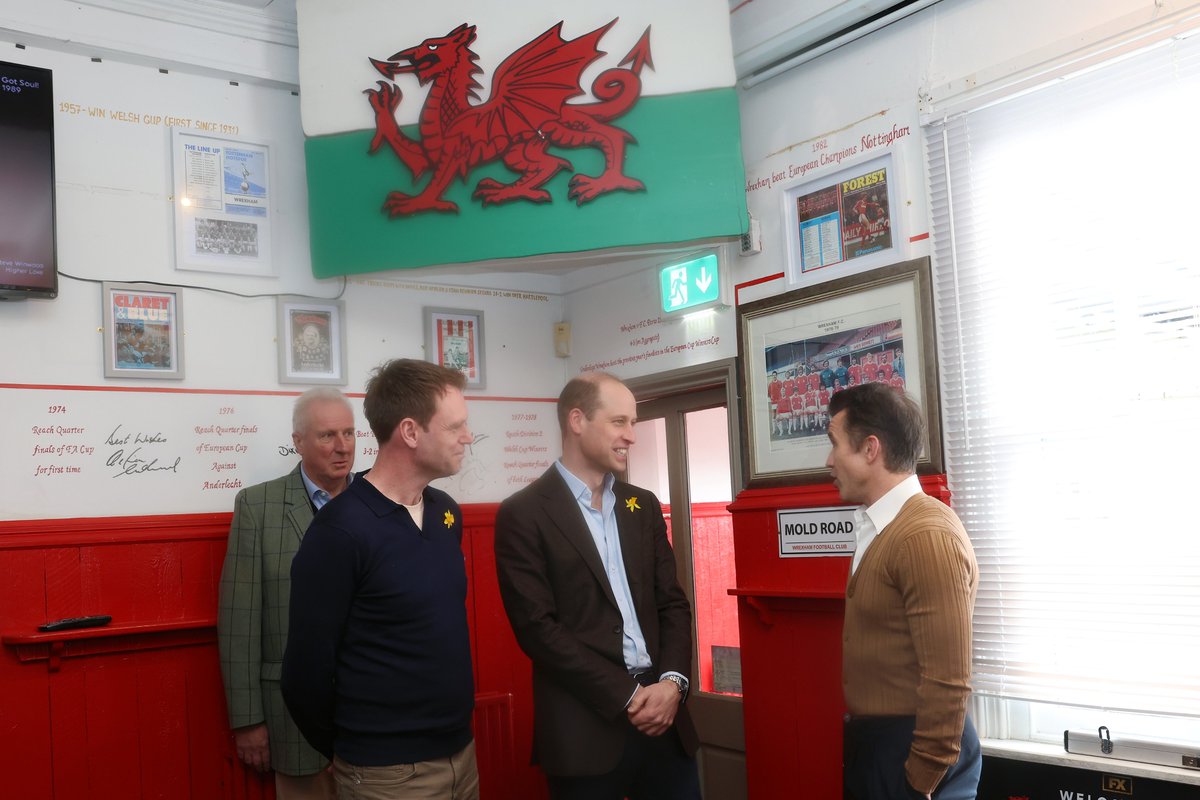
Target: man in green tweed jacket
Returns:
[269, 520]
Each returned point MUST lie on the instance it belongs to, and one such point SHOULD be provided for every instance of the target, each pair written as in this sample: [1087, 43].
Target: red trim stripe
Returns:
[242, 392]
[738, 288]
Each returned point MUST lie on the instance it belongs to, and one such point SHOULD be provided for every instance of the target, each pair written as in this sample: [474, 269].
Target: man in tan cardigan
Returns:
[906, 665]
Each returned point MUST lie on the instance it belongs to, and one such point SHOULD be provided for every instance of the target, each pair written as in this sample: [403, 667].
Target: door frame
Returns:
[695, 378]
[718, 717]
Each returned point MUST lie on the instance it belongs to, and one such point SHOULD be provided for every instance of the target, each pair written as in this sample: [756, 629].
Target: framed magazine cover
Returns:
[312, 341]
[797, 349]
[143, 331]
[454, 338]
[844, 223]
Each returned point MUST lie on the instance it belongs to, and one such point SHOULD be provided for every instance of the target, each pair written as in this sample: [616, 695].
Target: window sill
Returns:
[1043, 753]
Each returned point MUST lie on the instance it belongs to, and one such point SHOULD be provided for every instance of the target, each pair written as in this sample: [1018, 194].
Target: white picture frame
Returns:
[454, 339]
[312, 340]
[845, 222]
[223, 204]
[143, 331]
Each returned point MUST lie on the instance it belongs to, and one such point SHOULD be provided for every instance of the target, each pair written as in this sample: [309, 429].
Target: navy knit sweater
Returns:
[378, 661]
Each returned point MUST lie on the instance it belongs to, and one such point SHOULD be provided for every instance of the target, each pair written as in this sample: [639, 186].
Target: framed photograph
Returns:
[843, 223]
[143, 331]
[454, 338]
[798, 349]
[223, 204]
[312, 340]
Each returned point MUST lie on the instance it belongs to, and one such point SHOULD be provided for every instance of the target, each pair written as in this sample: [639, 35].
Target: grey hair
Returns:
[305, 401]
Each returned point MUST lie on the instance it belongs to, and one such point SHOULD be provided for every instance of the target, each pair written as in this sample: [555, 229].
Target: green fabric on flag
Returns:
[687, 153]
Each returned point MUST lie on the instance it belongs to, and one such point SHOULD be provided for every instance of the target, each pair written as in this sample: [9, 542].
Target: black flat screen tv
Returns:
[28, 253]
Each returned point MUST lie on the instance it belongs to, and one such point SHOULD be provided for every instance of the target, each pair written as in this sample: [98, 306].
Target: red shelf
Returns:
[53, 646]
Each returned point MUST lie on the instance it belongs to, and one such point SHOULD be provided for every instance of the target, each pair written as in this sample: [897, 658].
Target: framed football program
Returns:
[312, 341]
[843, 223]
[223, 198]
[143, 331]
[454, 338]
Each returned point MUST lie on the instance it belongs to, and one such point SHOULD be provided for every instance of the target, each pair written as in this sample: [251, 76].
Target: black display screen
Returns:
[28, 256]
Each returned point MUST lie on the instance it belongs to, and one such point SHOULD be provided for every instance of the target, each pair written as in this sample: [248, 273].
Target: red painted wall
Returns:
[136, 709]
[714, 571]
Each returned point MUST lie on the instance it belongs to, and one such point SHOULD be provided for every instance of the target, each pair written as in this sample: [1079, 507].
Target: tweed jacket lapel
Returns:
[564, 513]
[299, 510]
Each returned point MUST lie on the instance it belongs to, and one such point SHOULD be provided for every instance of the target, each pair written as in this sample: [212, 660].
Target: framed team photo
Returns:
[798, 349]
[312, 341]
[454, 338]
[143, 326]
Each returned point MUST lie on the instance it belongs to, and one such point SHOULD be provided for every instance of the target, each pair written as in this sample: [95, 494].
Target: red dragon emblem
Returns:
[525, 115]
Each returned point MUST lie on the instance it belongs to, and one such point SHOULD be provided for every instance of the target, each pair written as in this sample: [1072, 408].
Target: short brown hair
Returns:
[405, 388]
[582, 392]
[876, 409]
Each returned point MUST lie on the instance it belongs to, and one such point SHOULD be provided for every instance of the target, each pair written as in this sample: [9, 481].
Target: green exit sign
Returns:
[690, 285]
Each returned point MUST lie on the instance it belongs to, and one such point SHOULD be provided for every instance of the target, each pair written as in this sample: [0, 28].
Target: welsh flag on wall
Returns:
[441, 133]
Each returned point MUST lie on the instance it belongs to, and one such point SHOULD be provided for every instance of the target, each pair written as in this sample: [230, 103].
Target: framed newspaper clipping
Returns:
[223, 199]
[843, 223]
[798, 349]
[143, 331]
[454, 338]
[312, 341]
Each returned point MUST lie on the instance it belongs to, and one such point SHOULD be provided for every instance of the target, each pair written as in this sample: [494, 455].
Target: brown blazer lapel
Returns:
[631, 524]
[563, 511]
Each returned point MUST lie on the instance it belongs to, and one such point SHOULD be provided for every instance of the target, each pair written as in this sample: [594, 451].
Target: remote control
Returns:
[93, 621]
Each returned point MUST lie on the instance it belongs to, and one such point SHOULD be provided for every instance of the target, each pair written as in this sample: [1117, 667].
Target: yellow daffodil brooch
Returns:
[449, 519]
[632, 504]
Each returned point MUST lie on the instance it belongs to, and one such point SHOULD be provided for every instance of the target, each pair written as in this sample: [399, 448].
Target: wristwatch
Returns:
[680, 683]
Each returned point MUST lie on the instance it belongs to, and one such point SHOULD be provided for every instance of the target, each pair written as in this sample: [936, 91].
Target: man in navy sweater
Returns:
[377, 672]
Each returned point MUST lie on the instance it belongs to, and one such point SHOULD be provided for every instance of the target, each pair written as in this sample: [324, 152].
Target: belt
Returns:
[877, 721]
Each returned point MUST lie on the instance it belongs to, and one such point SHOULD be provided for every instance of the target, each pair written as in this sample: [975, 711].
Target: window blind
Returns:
[1066, 239]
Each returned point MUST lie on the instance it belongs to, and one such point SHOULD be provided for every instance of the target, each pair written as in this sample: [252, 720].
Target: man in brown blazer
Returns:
[588, 580]
[906, 645]
[269, 520]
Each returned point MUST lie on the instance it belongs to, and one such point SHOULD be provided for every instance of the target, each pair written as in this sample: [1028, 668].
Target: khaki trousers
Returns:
[453, 778]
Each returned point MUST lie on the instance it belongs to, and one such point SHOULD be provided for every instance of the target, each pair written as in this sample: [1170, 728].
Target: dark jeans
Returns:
[651, 768]
[875, 749]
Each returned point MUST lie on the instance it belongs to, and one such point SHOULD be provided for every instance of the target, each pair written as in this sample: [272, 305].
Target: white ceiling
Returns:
[282, 10]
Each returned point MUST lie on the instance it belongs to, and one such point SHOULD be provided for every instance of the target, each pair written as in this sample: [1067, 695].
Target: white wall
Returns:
[115, 223]
[618, 325]
[880, 84]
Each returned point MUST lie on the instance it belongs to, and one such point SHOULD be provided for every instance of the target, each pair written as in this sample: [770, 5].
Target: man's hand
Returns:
[253, 747]
[915, 793]
[652, 709]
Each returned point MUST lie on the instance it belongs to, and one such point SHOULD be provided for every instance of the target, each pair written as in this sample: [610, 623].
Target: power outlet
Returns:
[751, 243]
